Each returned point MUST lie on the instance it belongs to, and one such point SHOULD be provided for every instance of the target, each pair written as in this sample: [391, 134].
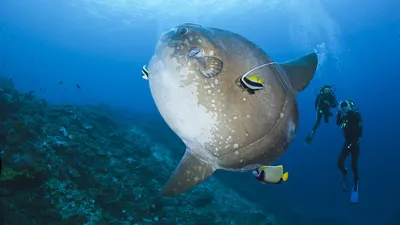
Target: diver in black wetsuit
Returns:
[325, 100]
[350, 121]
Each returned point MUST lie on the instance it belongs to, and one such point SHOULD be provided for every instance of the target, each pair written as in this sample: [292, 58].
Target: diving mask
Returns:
[327, 90]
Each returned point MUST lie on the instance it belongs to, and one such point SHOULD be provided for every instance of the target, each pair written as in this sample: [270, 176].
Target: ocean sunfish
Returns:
[198, 80]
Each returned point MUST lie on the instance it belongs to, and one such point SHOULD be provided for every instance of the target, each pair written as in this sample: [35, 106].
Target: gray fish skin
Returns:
[193, 73]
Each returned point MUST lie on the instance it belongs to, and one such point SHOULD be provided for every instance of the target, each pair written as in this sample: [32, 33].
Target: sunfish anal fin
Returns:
[209, 66]
[190, 172]
[301, 71]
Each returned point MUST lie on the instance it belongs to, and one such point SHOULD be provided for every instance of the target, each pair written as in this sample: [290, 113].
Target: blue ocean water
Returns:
[101, 45]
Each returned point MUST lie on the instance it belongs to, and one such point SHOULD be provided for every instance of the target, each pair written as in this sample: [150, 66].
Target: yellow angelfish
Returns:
[271, 174]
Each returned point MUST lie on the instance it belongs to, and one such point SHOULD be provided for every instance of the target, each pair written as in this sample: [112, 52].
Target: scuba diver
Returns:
[350, 121]
[325, 100]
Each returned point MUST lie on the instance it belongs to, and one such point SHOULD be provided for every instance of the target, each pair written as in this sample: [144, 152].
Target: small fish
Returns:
[78, 86]
[252, 82]
[145, 72]
[271, 174]
[60, 82]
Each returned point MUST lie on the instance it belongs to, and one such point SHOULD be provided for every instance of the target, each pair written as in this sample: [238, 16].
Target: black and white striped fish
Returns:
[145, 72]
[252, 82]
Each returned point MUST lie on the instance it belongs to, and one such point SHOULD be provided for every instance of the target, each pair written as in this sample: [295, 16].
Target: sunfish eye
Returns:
[182, 31]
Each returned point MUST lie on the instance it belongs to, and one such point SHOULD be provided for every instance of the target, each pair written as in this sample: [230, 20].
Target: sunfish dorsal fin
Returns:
[190, 172]
[301, 71]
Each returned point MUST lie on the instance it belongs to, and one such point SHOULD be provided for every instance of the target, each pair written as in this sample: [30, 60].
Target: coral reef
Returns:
[65, 164]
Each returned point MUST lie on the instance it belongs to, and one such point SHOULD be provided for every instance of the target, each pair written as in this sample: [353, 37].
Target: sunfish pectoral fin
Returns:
[301, 71]
[209, 66]
[190, 172]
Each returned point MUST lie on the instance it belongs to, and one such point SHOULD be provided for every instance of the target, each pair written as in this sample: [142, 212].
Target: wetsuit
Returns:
[351, 124]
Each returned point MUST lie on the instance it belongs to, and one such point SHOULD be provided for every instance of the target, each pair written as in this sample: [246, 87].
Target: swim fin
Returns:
[345, 184]
[354, 194]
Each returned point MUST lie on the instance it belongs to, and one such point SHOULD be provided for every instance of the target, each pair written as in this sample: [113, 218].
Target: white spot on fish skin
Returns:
[187, 180]
[244, 99]
[216, 149]
[291, 129]
[179, 183]
[213, 101]
[188, 172]
[207, 87]
[241, 161]
[212, 53]
[196, 179]
[213, 105]
[230, 137]
[224, 114]
[247, 135]
[235, 146]
[216, 81]
[282, 115]
[248, 116]
[209, 91]
[236, 152]
[235, 117]
[233, 131]
[219, 90]
[212, 85]
[227, 146]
